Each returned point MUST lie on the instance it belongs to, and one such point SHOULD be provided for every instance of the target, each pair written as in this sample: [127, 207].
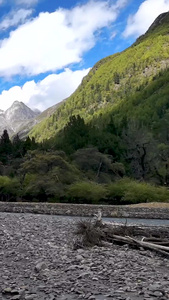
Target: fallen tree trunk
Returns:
[150, 246]
[157, 248]
[157, 241]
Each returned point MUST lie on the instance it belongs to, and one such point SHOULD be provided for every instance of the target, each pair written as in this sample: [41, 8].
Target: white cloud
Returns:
[27, 2]
[14, 18]
[121, 3]
[52, 41]
[45, 93]
[113, 35]
[148, 11]
[22, 3]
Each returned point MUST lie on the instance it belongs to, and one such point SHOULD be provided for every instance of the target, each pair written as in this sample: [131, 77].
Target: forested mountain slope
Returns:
[132, 84]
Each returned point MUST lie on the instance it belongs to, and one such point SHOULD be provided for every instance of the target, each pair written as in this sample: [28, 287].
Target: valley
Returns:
[107, 143]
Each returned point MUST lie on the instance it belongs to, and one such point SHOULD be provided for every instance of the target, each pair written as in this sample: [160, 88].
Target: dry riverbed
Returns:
[37, 262]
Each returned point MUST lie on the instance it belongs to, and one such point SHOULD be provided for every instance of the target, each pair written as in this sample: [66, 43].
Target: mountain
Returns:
[25, 128]
[17, 116]
[4, 124]
[20, 119]
[116, 82]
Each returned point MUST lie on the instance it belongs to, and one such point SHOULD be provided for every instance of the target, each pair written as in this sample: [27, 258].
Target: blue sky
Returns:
[48, 46]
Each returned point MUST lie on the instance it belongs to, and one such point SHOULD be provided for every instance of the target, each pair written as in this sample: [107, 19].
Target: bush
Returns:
[127, 191]
[42, 188]
[9, 188]
[86, 192]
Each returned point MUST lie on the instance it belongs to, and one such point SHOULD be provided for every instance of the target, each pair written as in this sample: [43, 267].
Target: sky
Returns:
[48, 46]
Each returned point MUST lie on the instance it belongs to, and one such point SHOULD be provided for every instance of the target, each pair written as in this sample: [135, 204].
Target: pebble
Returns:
[30, 297]
[7, 290]
[79, 257]
[16, 297]
[40, 266]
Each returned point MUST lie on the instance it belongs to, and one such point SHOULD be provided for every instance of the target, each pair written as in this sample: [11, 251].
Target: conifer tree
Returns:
[5, 147]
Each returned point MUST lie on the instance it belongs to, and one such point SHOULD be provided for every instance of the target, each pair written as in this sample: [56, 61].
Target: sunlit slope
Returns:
[114, 80]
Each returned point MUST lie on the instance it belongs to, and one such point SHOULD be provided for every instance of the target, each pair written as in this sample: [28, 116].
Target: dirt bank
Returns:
[145, 211]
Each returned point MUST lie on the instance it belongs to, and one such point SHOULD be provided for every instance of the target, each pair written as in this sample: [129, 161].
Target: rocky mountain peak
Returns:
[16, 102]
[19, 112]
[15, 117]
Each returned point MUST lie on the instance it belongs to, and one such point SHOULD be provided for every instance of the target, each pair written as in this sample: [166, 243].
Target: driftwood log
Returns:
[95, 232]
[147, 245]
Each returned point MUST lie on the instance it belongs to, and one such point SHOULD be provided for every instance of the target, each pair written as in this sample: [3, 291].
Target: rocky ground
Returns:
[37, 261]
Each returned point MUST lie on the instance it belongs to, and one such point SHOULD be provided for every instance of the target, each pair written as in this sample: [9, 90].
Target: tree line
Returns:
[86, 163]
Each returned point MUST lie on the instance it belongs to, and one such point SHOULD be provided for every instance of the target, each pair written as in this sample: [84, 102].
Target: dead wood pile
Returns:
[90, 232]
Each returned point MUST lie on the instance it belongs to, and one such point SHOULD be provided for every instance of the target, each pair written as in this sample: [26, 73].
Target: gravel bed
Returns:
[37, 261]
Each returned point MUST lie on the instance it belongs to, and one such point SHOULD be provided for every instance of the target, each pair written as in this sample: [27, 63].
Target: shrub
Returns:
[9, 188]
[127, 191]
[86, 192]
[116, 190]
[42, 188]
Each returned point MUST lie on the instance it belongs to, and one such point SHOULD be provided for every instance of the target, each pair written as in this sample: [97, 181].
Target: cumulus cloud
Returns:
[14, 18]
[44, 93]
[52, 41]
[148, 11]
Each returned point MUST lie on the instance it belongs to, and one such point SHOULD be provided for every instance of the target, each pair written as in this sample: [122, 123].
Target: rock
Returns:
[92, 297]
[64, 257]
[51, 297]
[16, 297]
[157, 294]
[30, 297]
[84, 274]
[7, 290]
[154, 287]
[40, 266]
[14, 292]
[79, 257]
[41, 287]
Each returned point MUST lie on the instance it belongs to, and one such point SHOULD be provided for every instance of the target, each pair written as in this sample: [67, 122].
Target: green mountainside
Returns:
[114, 80]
